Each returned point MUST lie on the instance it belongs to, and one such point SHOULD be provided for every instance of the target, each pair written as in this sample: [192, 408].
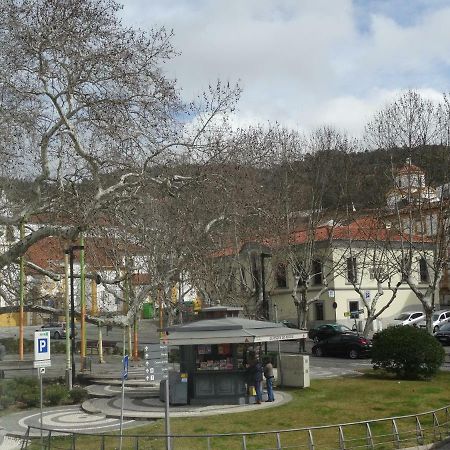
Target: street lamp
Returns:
[265, 302]
[71, 251]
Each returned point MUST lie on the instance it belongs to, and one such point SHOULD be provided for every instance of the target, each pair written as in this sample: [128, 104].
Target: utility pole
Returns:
[68, 329]
[265, 302]
[82, 306]
[72, 306]
[21, 294]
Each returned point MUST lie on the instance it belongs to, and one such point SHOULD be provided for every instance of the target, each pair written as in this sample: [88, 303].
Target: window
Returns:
[301, 273]
[423, 271]
[317, 272]
[418, 227]
[351, 269]
[319, 311]
[255, 273]
[353, 305]
[281, 276]
[243, 278]
[406, 268]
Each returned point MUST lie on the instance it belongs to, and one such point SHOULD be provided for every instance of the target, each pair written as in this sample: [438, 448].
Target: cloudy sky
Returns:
[306, 63]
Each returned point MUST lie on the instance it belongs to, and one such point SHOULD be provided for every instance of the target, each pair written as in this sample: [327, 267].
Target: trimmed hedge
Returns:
[78, 395]
[56, 394]
[24, 392]
[12, 345]
[408, 352]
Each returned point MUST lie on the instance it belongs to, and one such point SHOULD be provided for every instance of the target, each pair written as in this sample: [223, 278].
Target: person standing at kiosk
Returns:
[255, 375]
[268, 375]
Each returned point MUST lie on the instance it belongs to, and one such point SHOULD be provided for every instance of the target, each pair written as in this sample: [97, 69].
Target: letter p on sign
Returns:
[42, 345]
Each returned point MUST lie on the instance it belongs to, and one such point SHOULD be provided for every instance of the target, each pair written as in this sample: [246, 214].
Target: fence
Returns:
[386, 433]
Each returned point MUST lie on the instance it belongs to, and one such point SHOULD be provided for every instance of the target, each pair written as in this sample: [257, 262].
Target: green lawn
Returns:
[331, 401]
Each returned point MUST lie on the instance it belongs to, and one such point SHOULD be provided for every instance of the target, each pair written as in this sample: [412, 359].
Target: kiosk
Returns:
[213, 354]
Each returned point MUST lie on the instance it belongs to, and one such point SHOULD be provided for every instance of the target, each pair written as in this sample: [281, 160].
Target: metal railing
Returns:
[386, 433]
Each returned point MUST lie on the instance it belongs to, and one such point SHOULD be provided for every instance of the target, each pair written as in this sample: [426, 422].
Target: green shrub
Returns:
[12, 345]
[7, 400]
[26, 391]
[78, 395]
[56, 394]
[58, 346]
[6, 393]
[408, 352]
[117, 350]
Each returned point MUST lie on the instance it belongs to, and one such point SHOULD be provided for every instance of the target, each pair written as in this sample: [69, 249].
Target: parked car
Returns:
[327, 330]
[344, 344]
[438, 319]
[57, 329]
[409, 318]
[288, 324]
[443, 334]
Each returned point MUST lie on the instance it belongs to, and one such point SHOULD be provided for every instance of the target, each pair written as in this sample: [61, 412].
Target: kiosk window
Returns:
[214, 357]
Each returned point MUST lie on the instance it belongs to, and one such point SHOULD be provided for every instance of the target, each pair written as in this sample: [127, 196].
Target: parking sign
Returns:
[42, 349]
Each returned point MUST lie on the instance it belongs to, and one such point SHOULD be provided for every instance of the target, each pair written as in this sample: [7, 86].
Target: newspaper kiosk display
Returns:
[215, 359]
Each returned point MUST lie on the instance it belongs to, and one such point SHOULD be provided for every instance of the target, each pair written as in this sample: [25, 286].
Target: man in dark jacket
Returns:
[255, 375]
[258, 381]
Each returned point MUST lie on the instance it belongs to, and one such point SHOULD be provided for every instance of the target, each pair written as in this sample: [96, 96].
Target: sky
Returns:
[305, 63]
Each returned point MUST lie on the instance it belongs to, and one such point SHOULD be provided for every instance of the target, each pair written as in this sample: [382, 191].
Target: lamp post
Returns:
[71, 251]
[265, 303]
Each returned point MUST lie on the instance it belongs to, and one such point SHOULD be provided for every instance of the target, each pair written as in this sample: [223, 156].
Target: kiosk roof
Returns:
[233, 330]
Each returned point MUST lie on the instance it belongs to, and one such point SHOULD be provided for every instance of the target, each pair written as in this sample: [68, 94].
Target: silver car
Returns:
[409, 318]
[57, 329]
[438, 318]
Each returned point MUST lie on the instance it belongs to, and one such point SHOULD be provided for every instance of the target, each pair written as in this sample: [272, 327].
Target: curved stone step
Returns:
[152, 408]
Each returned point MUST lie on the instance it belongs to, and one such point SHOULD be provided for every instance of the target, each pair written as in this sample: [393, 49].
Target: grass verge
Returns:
[331, 401]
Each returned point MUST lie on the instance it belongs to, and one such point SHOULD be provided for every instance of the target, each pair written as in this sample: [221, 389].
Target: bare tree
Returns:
[419, 213]
[407, 122]
[88, 117]
[311, 197]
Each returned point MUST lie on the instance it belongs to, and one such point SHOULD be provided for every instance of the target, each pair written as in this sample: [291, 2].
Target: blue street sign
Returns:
[125, 367]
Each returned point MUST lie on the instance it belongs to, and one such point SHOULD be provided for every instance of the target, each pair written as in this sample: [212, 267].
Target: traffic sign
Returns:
[155, 355]
[353, 313]
[42, 363]
[155, 348]
[156, 371]
[125, 368]
[42, 349]
[156, 360]
[156, 377]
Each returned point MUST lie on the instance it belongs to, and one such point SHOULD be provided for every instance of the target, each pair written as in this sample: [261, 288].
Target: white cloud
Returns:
[302, 63]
